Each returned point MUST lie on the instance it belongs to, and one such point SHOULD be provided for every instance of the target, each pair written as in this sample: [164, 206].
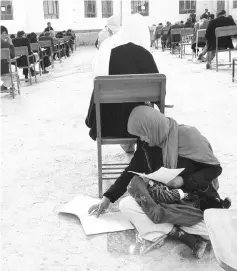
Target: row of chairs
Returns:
[39, 48]
[186, 35]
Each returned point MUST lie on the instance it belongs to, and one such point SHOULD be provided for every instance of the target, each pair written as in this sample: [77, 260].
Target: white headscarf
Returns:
[134, 30]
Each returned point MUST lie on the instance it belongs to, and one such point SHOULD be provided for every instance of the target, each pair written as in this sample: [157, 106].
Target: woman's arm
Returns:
[201, 178]
[120, 186]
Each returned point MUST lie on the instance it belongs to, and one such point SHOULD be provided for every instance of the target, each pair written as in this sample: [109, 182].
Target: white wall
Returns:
[29, 14]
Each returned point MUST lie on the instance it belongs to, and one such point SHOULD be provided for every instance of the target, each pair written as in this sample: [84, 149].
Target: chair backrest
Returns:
[67, 38]
[175, 31]
[201, 33]
[21, 51]
[61, 40]
[226, 31]
[186, 31]
[35, 46]
[55, 42]
[128, 89]
[45, 43]
[5, 54]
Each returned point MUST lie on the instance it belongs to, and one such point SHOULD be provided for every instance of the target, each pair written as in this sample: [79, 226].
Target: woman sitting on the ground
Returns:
[126, 52]
[165, 143]
[32, 37]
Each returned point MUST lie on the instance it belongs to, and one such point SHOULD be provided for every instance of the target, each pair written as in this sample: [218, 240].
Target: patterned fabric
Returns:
[161, 193]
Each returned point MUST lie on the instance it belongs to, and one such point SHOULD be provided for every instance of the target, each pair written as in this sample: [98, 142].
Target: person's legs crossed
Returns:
[146, 228]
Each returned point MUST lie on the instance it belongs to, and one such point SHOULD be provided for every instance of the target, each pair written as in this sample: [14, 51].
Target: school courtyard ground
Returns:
[47, 158]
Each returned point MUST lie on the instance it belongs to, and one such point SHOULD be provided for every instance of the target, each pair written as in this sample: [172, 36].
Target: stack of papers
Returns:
[108, 222]
[163, 175]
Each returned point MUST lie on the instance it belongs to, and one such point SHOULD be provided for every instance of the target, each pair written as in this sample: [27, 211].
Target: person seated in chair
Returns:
[72, 39]
[175, 39]
[32, 37]
[20, 41]
[223, 42]
[201, 24]
[189, 23]
[158, 34]
[6, 42]
[124, 53]
[61, 35]
[48, 36]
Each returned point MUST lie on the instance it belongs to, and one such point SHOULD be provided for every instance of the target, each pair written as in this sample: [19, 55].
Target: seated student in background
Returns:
[201, 24]
[61, 35]
[48, 28]
[32, 37]
[19, 41]
[124, 53]
[176, 37]
[47, 36]
[204, 51]
[157, 34]
[72, 39]
[12, 36]
[164, 36]
[189, 23]
[6, 42]
[164, 143]
[223, 42]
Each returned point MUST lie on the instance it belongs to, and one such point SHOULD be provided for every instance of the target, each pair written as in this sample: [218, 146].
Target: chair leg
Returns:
[233, 71]
[35, 73]
[40, 70]
[100, 184]
[230, 57]
[29, 72]
[18, 84]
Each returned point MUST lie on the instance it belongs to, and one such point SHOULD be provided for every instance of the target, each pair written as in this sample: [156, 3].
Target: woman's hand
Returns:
[100, 207]
[176, 183]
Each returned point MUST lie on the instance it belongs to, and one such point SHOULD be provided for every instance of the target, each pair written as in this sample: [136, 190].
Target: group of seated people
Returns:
[23, 39]
[156, 210]
[207, 21]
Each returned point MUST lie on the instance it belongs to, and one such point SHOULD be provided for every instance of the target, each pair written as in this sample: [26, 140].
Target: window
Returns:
[107, 8]
[51, 9]
[220, 5]
[90, 9]
[187, 6]
[140, 6]
[6, 10]
[234, 4]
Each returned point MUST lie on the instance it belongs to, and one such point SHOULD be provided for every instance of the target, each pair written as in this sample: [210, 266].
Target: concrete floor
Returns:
[47, 158]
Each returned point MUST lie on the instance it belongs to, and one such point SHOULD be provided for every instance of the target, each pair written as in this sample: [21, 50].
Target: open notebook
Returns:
[163, 175]
[107, 222]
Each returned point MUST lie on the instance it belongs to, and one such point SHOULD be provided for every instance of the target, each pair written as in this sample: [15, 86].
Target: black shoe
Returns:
[26, 78]
[208, 66]
[45, 72]
[4, 89]
[226, 203]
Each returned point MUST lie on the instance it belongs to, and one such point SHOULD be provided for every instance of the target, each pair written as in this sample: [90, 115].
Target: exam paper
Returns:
[163, 175]
[108, 222]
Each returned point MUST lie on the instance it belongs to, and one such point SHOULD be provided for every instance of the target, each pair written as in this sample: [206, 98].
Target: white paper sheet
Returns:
[108, 222]
[163, 175]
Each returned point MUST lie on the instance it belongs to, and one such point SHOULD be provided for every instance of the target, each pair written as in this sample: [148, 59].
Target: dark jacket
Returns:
[125, 59]
[4, 63]
[175, 37]
[198, 177]
[47, 29]
[223, 42]
[19, 42]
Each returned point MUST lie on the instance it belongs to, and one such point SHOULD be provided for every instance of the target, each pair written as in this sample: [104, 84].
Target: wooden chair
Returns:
[201, 33]
[57, 49]
[224, 32]
[164, 31]
[35, 47]
[174, 32]
[124, 89]
[62, 45]
[222, 228]
[46, 44]
[186, 38]
[23, 51]
[5, 55]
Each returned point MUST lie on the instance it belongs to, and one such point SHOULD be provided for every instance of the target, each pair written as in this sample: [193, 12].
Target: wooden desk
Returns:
[222, 229]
